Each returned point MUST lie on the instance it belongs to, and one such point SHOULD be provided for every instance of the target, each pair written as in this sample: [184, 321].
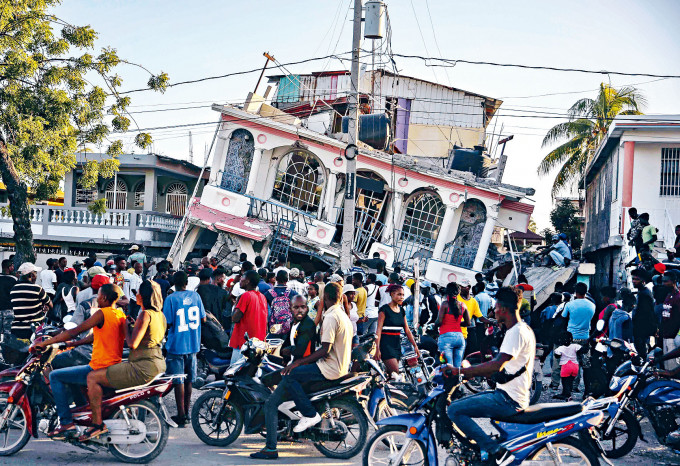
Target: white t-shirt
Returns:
[127, 279]
[47, 280]
[135, 282]
[568, 353]
[520, 343]
[386, 298]
[276, 270]
[371, 307]
[354, 317]
[193, 283]
[237, 291]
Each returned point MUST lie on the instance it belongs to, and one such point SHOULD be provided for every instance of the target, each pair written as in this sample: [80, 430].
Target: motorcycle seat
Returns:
[317, 386]
[217, 359]
[541, 413]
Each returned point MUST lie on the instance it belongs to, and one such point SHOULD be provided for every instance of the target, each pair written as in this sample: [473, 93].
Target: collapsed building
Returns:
[427, 191]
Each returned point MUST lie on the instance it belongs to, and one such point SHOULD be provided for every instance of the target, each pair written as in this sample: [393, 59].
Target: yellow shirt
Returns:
[473, 311]
[360, 299]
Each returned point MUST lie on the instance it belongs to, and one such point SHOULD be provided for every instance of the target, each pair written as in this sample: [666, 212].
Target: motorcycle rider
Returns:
[107, 339]
[512, 368]
[330, 362]
[302, 333]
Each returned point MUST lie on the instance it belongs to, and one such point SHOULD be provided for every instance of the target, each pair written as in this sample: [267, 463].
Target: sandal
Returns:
[63, 432]
[94, 431]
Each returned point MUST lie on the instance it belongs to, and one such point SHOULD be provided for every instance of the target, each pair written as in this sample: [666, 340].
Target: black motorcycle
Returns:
[237, 403]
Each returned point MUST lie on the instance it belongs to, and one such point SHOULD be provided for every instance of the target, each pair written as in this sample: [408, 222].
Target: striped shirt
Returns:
[28, 301]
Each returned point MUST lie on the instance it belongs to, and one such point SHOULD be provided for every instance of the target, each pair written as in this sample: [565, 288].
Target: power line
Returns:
[452, 62]
[236, 73]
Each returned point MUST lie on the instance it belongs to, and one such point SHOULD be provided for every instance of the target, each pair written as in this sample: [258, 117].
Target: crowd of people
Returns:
[163, 316]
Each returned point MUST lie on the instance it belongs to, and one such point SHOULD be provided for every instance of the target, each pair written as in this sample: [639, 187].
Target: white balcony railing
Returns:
[53, 222]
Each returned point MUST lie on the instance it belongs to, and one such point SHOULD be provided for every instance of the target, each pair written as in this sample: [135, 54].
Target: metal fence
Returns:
[460, 257]
[273, 212]
[410, 248]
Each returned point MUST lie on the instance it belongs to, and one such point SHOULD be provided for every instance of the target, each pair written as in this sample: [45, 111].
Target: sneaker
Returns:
[181, 421]
[306, 422]
[560, 396]
[265, 454]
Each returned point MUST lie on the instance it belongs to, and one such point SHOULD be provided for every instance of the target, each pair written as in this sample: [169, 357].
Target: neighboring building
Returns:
[278, 187]
[524, 240]
[579, 204]
[636, 165]
[145, 203]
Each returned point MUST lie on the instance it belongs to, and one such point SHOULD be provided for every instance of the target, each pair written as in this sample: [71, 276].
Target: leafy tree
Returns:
[589, 121]
[547, 235]
[53, 102]
[532, 226]
[563, 218]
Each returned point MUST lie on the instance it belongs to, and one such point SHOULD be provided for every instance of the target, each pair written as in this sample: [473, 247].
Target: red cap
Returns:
[661, 268]
[70, 269]
[99, 280]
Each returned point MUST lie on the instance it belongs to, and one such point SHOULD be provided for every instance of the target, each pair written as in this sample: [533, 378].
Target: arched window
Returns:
[423, 217]
[422, 220]
[299, 181]
[116, 198]
[176, 199]
[238, 161]
[139, 196]
[463, 250]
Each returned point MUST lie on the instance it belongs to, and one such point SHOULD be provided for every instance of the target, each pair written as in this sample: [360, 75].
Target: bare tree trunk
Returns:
[17, 193]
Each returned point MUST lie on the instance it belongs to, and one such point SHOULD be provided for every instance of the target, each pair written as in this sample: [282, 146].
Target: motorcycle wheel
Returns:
[622, 438]
[156, 434]
[353, 416]
[383, 411]
[209, 407]
[14, 435]
[387, 441]
[569, 447]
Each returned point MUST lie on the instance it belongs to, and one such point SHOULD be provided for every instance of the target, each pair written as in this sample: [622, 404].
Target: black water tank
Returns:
[374, 129]
[470, 160]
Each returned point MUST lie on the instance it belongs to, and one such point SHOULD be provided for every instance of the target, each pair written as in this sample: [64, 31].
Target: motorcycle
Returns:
[640, 393]
[541, 433]
[210, 362]
[489, 350]
[136, 417]
[237, 403]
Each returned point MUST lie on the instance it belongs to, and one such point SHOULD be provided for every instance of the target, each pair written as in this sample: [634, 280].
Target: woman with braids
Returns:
[452, 316]
[391, 321]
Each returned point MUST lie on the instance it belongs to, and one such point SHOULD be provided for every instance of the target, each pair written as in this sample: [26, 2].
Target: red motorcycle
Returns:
[136, 417]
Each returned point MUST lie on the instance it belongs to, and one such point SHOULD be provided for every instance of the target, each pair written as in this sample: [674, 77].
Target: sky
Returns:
[190, 40]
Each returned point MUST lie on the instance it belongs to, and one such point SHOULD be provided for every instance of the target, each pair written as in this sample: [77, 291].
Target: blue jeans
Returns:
[59, 381]
[484, 405]
[452, 344]
[290, 388]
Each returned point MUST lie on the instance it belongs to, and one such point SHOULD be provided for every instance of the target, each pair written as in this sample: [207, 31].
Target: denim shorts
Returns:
[177, 364]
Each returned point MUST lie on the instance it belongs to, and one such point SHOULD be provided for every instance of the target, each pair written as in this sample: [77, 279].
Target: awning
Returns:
[215, 220]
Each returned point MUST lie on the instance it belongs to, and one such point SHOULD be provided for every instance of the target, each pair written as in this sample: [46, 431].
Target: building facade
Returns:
[145, 203]
[636, 165]
[276, 185]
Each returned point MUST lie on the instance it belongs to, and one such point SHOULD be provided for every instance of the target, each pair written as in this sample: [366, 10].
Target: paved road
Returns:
[184, 448]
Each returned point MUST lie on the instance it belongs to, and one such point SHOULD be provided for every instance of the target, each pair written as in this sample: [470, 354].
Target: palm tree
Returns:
[589, 121]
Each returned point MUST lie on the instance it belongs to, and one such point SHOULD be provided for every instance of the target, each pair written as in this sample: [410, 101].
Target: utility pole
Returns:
[351, 151]
[503, 159]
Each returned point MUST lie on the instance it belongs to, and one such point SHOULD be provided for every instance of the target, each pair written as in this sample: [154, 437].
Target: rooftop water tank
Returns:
[470, 160]
[374, 129]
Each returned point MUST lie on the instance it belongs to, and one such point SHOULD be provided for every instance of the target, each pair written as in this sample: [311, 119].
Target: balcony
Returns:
[77, 224]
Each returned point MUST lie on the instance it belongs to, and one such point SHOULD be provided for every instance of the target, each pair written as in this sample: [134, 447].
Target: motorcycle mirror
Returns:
[70, 325]
[600, 325]
[616, 344]
[465, 364]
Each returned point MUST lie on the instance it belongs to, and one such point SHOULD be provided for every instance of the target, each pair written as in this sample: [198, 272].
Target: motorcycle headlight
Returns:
[235, 367]
[614, 382]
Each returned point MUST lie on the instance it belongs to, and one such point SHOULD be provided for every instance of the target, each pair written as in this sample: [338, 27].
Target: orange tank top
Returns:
[107, 348]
